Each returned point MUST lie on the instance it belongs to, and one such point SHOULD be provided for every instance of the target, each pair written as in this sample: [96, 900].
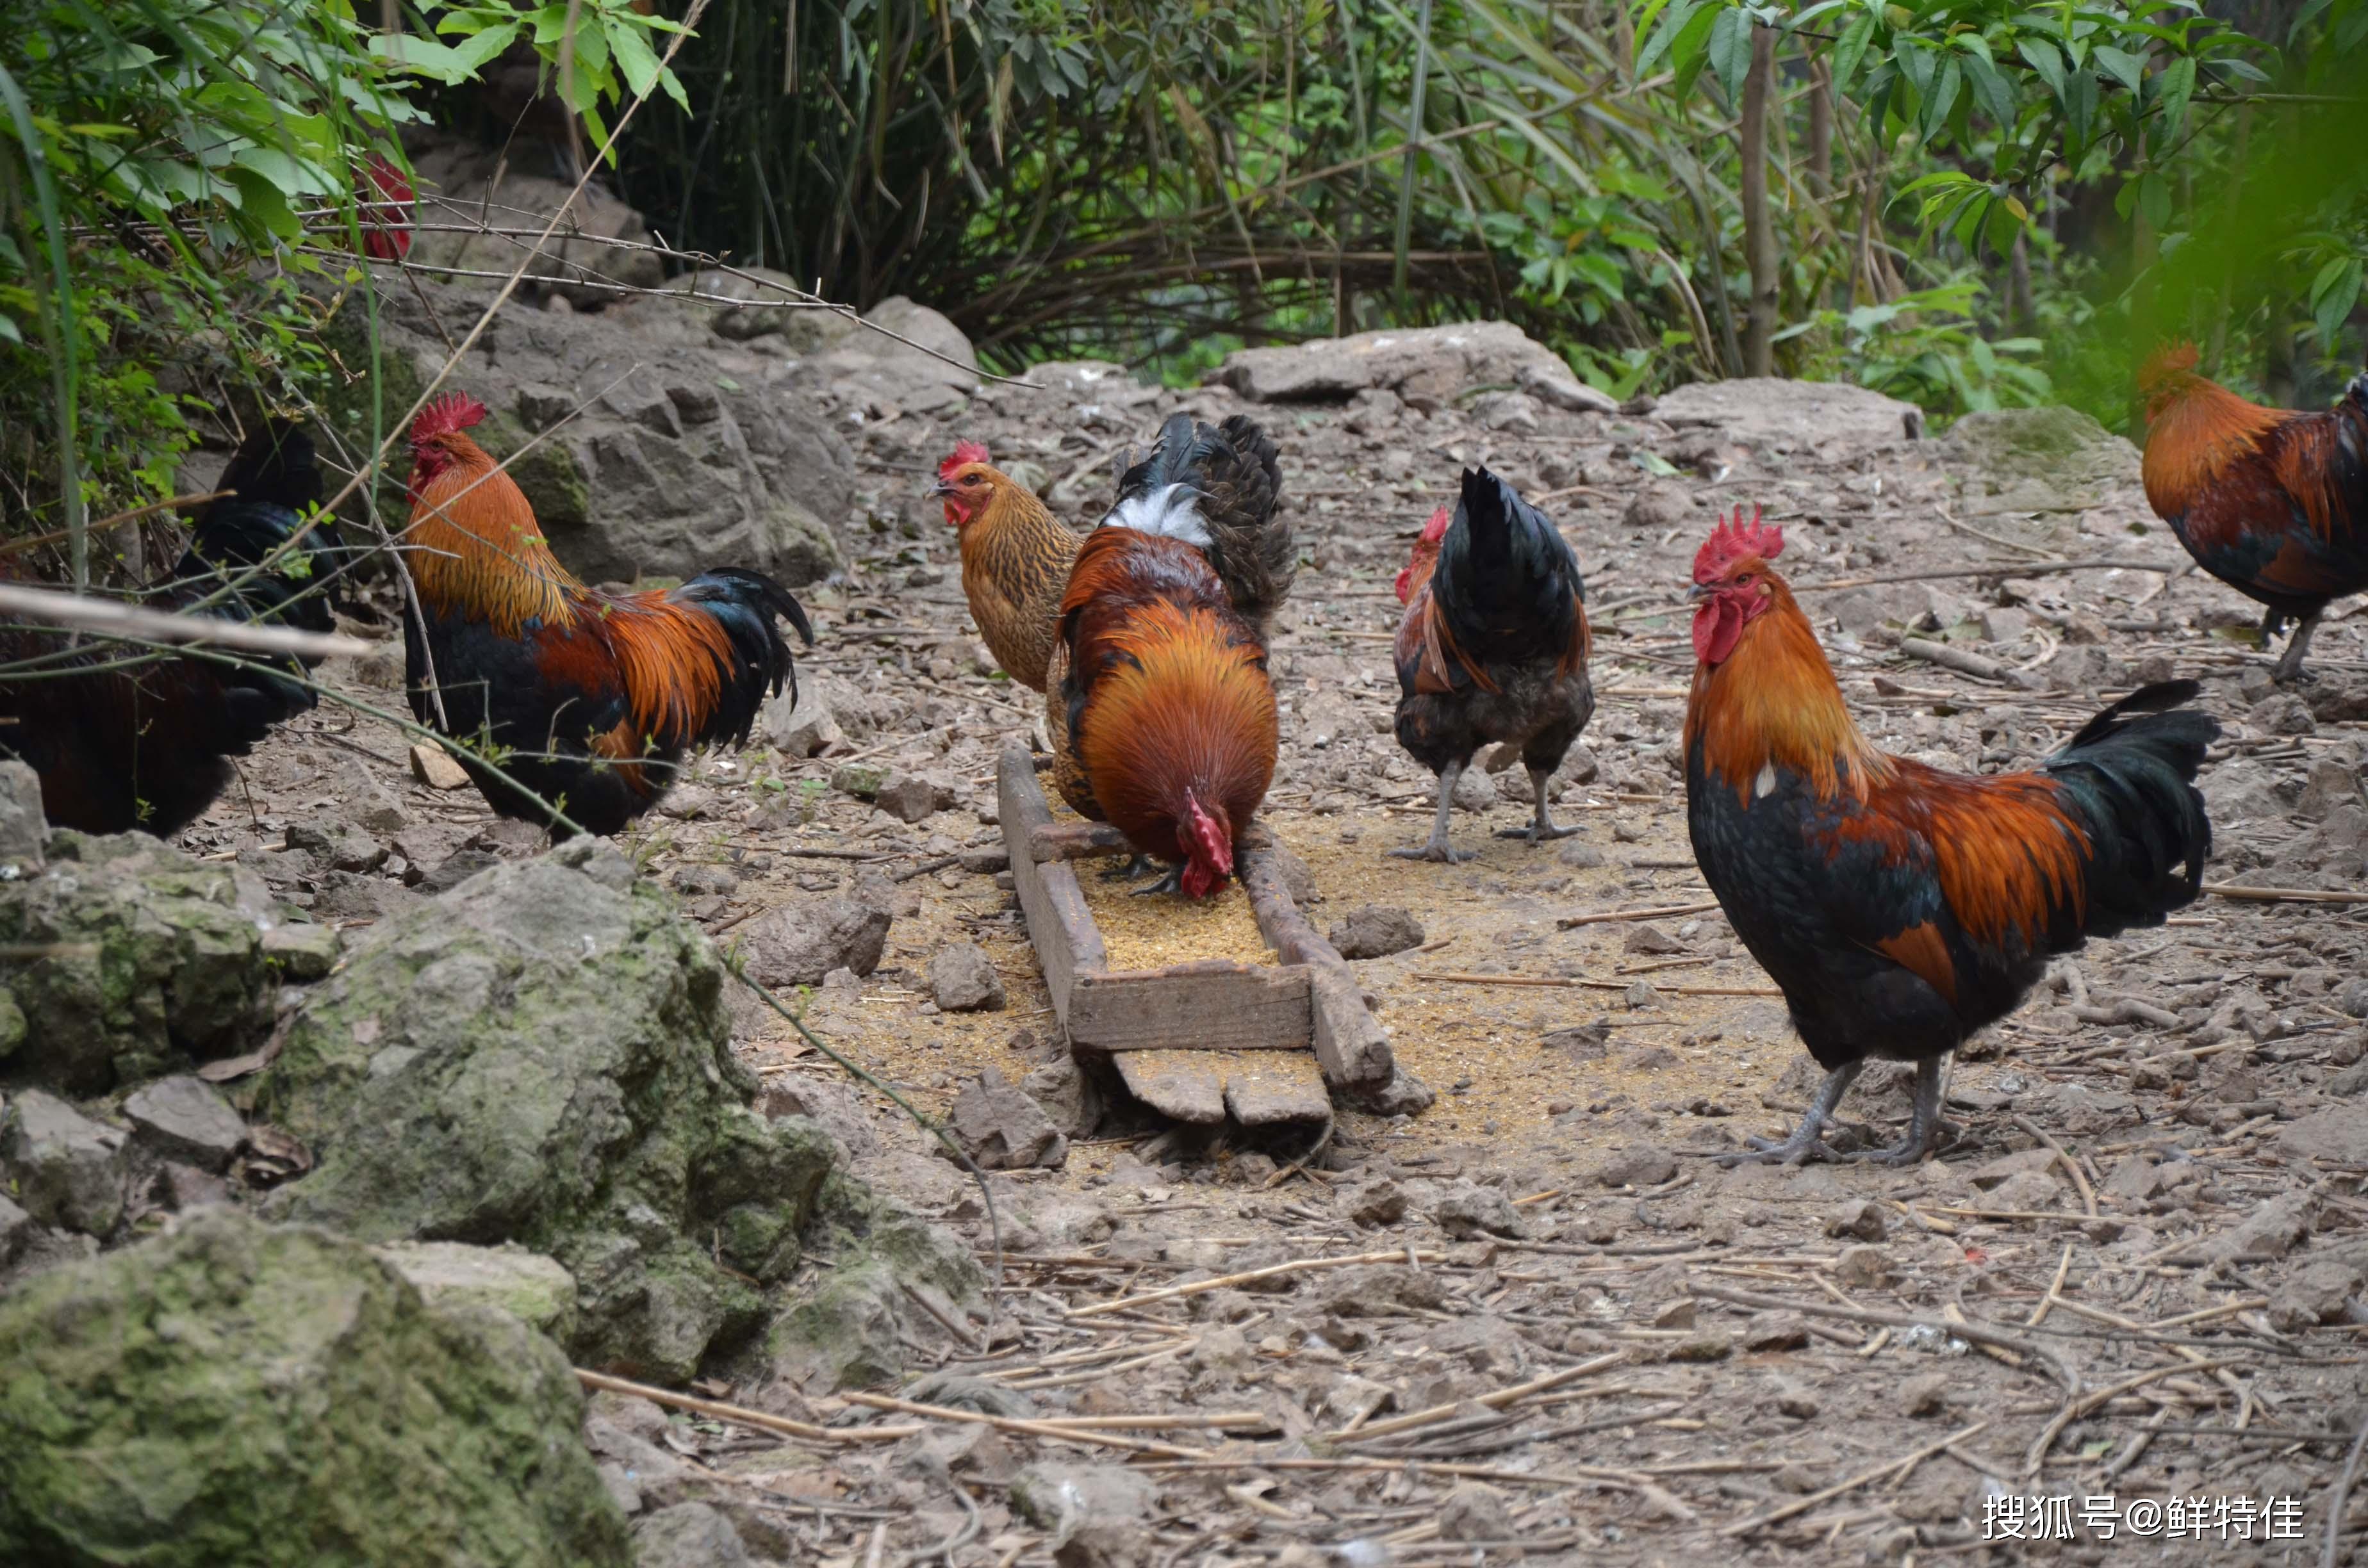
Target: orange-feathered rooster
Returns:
[1898, 907]
[1162, 710]
[1015, 558]
[2272, 501]
[594, 695]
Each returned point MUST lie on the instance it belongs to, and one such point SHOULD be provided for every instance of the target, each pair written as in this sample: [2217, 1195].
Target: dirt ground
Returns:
[2134, 1276]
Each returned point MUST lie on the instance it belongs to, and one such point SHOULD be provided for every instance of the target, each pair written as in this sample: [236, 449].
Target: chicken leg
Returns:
[1436, 847]
[1923, 1122]
[1172, 883]
[1541, 825]
[2289, 663]
[1135, 869]
[1805, 1141]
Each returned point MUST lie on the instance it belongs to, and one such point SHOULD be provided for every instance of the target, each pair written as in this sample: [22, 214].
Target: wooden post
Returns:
[1068, 943]
[1350, 1046]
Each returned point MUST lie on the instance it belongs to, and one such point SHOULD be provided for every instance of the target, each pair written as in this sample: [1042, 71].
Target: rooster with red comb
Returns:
[1900, 908]
[591, 698]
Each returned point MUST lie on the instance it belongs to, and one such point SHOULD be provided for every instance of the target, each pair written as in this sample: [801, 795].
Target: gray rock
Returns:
[1834, 418]
[877, 374]
[338, 846]
[831, 1106]
[1775, 1331]
[962, 979]
[1001, 1129]
[1401, 1094]
[911, 797]
[165, 957]
[1860, 1218]
[1375, 931]
[800, 943]
[688, 1535]
[179, 1449]
[24, 829]
[1378, 1203]
[2015, 462]
[542, 1056]
[67, 1169]
[1475, 790]
[531, 1288]
[1066, 1094]
[1870, 1267]
[1476, 1511]
[2332, 784]
[2319, 1292]
[14, 1226]
[1420, 364]
[802, 727]
[1060, 1497]
[2353, 998]
[2271, 1230]
[184, 1118]
[1790, 1399]
[1924, 1394]
[1465, 1210]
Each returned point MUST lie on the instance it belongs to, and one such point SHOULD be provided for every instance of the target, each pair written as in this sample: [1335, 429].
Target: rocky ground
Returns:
[1528, 1320]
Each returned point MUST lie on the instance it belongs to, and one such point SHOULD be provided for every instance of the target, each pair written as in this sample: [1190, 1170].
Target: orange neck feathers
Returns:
[473, 545]
[2195, 429]
[1178, 736]
[1773, 701]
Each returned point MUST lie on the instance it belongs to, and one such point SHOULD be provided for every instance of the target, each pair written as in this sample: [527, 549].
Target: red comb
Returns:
[964, 454]
[442, 416]
[1733, 540]
[2167, 362]
[1435, 529]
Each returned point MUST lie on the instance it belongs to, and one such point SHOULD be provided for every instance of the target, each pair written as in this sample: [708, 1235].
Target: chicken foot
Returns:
[1541, 825]
[1805, 1142]
[2289, 666]
[1172, 883]
[1134, 870]
[1436, 847]
[1924, 1122]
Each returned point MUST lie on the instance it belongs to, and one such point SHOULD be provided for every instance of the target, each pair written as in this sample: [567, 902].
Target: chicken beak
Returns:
[940, 489]
[1698, 592]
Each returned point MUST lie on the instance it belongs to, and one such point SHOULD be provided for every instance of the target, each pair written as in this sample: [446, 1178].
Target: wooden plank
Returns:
[1067, 945]
[1215, 1005]
[1184, 1085]
[1270, 1088]
[1076, 841]
[1350, 1044]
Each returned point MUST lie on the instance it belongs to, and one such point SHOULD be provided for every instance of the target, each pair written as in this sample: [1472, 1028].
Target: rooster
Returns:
[588, 698]
[1160, 707]
[121, 744]
[1016, 560]
[1493, 646]
[1901, 908]
[2272, 503]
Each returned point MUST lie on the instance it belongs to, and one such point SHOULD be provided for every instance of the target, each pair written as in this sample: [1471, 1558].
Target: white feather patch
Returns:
[1765, 785]
[1170, 510]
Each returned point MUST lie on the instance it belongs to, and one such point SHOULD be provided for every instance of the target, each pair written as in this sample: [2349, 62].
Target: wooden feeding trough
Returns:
[1196, 1042]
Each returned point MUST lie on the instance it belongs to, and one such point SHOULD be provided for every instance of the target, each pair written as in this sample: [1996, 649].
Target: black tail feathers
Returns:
[747, 605]
[2132, 770]
[1507, 584]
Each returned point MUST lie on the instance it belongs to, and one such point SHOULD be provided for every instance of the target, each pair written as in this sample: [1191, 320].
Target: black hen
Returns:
[122, 745]
[1493, 646]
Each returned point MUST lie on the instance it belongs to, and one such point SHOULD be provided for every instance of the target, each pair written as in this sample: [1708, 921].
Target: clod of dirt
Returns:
[1775, 1331]
[2271, 1230]
[1001, 1129]
[1870, 1267]
[2322, 1292]
[1465, 1210]
[1859, 1218]
[184, 1118]
[1066, 1094]
[300, 1374]
[541, 1056]
[962, 979]
[1377, 1203]
[1476, 1511]
[798, 944]
[160, 956]
[913, 797]
[1641, 1165]
[801, 728]
[1375, 931]
[1649, 939]
[66, 1169]
[1792, 1399]
[1924, 1394]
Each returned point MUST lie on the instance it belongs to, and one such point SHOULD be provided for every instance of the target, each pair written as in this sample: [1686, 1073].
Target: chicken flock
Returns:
[1898, 907]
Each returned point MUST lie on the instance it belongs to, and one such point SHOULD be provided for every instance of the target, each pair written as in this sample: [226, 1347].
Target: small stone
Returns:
[1858, 1218]
[1476, 1511]
[15, 1226]
[962, 979]
[185, 1188]
[861, 779]
[799, 943]
[2319, 1292]
[1001, 1129]
[1649, 939]
[68, 1170]
[688, 1535]
[1377, 1203]
[1642, 1166]
[455, 869]
[24, 829]
[1376, 931]
[1865, 1266]
[1703, 1345]
[1581, 857]
[1476, 791]
[1796, 1402]
[913, 797]
[1925, 1394]
[1641, 996]
[984, 860]
[1598, 1229]
[1680, 1313]
[303, 949]
[434, 767]
[184, 1118]
[1466, 1210]
[1775, 1331]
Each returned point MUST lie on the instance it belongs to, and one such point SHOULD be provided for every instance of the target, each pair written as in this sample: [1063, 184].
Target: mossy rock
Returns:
[152, 959]
[236, 1393]
[541, 1056]
[854, 1330]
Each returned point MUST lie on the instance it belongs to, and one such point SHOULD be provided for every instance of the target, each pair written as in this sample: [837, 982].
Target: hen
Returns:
[1493, 646]
[586, 698]
[122, 745]
[1160, 707]
[1900, 908]
[1016, 560]
[2272, 501]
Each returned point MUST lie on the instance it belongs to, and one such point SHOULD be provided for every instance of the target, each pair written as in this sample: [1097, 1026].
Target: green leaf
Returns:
[2177, 85]
[1991, 90]
[1730, 51]
[2080, 110]
[2332, 296]
[2122, 66]
[2003, 224]
[636, 60]
[1944, 98]
[2044, 58]
[1851, 50]
[261, 203]
[1686, 47]
[1917, 62]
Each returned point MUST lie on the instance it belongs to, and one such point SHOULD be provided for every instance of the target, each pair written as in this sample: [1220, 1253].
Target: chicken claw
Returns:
[1924, 1123]
[1134, 870]
[1805, 1142]
[1541, 824]
[1436, 846]
[1172, 883]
